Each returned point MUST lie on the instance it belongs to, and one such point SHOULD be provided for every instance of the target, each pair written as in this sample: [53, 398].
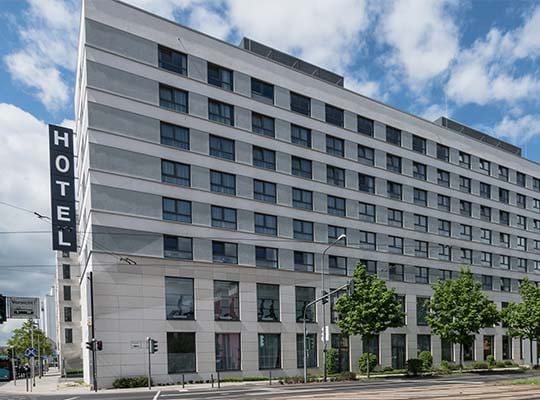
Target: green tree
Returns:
[523, 319]
[21, 339]
[370, 309]
[458, 309]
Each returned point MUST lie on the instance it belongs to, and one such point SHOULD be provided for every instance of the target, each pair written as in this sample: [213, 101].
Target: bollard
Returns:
[218, 380]
[183, 381]
[26, 375]
[270, 378]
[212, 380]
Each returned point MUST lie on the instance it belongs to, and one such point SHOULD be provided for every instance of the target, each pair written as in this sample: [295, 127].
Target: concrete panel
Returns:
[351, 208]
[282, 97]
[407, 167]
[286, 259]
[431, 148]
[128, 241]
[320, 233]
[284, 195]
[246, 254]
[242, 84]
[318, 110]
[125, 201]
[283, 162]
[408, 194]
[200, 177]
[380, 186]
[242, 118]
[283, 130]
[202, 249]
[351, 150]
[320, 202]
[318, 141]
[318, 171]
[244, 186]
[381, 215]
[406, 140]
[197, 68]
[379, 131]
[285, 227]
[380, 159]
[244, 153]
[201, 214]
[246, 220]
[198, 105]
[199, 142]
[351, 179]
[350, 121]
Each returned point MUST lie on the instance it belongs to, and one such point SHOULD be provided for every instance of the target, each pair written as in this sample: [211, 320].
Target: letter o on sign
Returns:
[62, 163]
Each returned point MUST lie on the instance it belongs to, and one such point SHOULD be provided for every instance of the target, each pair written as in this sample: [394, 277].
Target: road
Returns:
[453, 387]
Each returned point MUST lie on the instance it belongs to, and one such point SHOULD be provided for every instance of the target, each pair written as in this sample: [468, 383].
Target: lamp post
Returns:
[342, 236]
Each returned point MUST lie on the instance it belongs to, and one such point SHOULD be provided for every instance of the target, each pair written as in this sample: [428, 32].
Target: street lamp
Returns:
[340, 237]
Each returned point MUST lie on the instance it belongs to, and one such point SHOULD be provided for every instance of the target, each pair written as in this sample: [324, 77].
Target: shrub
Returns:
[332, 356]
[427, 360]
[346, 376]
[292, 379]
[508, 363]
[480, 365]
[500, 364]
[490, 360]
[414, 366]
[448, 366]
[387, 369]
[362, 362]
[136, 381]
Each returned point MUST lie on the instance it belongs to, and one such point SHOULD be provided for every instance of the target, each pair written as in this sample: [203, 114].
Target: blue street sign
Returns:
[30, 352]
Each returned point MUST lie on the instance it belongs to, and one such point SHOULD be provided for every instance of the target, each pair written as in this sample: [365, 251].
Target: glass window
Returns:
[265, 191]
[172, 60]
[224, 252]
[507, 347]
[300, 104]
[220, 77]
[444, 252]
[485, 190]
[394, 190]
[223, 217]
[66, 271]
[336, 231]
[521, 243]
[226, 301]
[443, 152]
[393, 163]
[176, 210]
[465, 184]
[334, 115]
[536, 184]
[67, 314]
[266, 257]
[177, 247]
[264, 158]
[221, 147]
[173, 99]
[181, 354]
[464, 159]
[505, 284]
[366, 155]
[419, 144]
[521, 221]
[521, 200]
[173, 135]
[521, 179]
[400, 298]
[468, 351]
[303, 261]
[447, 350]
[220, 112]
[484, 165]
[486, 259]
[420, 223]
[301, 136]
[487, 282]
[222, 182]
[311, 354]
[420, 250]
[302, 199]
[266, 224]
[302, 230]
[485, 235]
[423, 343]
[335, 146]
[365, 126]
[269, 350]
[465, 208]
[68, 335]
[443, 178]
[444, 227]
[228, 352]
[419, 171]
[336, 206]
[485, 213]
[446, 274]
[366, 212]
[371, 266]
[420, 197]
[504, 238]
[304, 296]
[466, 255]
[366, 183]
[393, 135]
[179, 299]
[422, 304]
[337, 265]
[443, 202]
[301, 167]
[335, 176]
[504, 217]
[396, 272]
[262, 125]
[503, 173]
[395, 217]
[262, 91]
[395, 244]
[367, 240]
[371, 345]
[267, 302]
[466, 232]
[173, 172]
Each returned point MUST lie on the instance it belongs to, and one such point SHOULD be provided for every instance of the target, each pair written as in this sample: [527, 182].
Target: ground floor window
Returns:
[370, 344]
[423, 343]
[399, 350]
[269, 350]
[181, 352]
[227, 351]
[311, 345]
[488, 346]
[447, 350]
[507, 347]
[341, 344]
[468, 351]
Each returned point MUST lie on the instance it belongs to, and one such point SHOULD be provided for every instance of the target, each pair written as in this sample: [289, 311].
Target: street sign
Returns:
[30, 352]
[23, 307]
[325, 334]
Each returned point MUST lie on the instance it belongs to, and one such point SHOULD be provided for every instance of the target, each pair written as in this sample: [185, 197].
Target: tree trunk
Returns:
[531, 349]
[461, 357]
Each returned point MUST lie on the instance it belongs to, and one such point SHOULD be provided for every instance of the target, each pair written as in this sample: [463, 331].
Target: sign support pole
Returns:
[33, 358]
[13, 366]
[149, 341]
[94, 366]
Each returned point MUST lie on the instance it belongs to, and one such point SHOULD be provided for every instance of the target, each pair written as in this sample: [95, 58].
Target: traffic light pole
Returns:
[149, 341]
[93, 330]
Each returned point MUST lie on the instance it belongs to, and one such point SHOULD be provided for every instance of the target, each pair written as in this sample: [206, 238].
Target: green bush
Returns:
[480, 365]
[362, 362]
[244, 379]
[490, 360]
[292, 379]
[427, 360]
[414, 366]
[509, 363]
[387, 369]
[500, 364]
[448, 366]
[332, 357]
[136, 381]
[74, 371]
[346, 376]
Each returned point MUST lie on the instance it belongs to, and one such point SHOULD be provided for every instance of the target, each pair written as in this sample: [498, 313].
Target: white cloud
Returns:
[366, 87]
[518, 130]
[435, 111]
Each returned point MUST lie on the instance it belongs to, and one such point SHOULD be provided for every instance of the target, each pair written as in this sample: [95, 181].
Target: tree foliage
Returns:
[21, 339]
[458, 309]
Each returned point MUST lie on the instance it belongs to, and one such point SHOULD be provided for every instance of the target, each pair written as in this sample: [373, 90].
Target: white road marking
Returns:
[73, 398]
[156, 396]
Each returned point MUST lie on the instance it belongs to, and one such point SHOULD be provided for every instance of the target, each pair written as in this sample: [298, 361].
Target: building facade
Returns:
[47, 319]
[212, 177]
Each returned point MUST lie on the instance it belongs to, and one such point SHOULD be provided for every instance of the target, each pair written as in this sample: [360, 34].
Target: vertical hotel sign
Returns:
[62, 168]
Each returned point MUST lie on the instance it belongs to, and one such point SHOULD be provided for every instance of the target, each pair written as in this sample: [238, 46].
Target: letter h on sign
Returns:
[62, 169]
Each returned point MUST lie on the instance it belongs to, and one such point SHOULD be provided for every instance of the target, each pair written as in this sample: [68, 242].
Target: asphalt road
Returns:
[276, 391]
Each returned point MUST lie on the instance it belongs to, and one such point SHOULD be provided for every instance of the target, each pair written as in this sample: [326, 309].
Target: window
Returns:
[301, 136]
[466, 232]
[443, 152]
[536, 205]
[222, 182]
[487, 282]
[336, 206]
[521, 264]
[521, 179]
[263, 125]
[179, 299]
[334, 232]
[371, 266]
[486, 259]
[366, 183]
[420, 223]
[266, 257]
[221, 147]
[465, 208]
[485, 165]
[172, 60]
[393, 135]
[464, 159]
[422, 307]
[302, 199]
[301, 167]
[300, 104]
[67, 293]
[521, 243]
[173, 172]
[395, 244]
[262, 91]
[420, 197]
[370, 344]
[365, 126]
[505, 284]
[367, 240]
[266, 224]
[335, 146]
[337, 265]
[485, 190]
[504, 217]
[401, 300]
[66, 271]
[393, 163]
[521, 221]
[394, 190]
[423, 343]
[443, 202]
[177, 247]
[466, 255]
[220, 112]
[446, 274]
[485, 235]
[503, 173]
[228, 352]
[224, 252]
[395, 217]
[303, 261]
[220, 77]
[311, 353]
[504, 238]
[521, 200]
[68, 335]
[420, 249]
[177, 210]
[67, 314]
[264, 191]
[173, 99]
[303, 230]
[485, 213]
[366, 212]
[419, 144]
[334, 115]
[304, 296]
[536, 224]
[396, 272]
[419, 171]
[341, 344]
[465, 184]
[223, 217]
[507, 347]
[335, 176]
[443, 178]
[173, 135]
[264, 158]
[269, 350]
[444, 227]
[536, 184]
[181, 354]
[267, 302]
[444, 252]
[226, 301]
[366, 155]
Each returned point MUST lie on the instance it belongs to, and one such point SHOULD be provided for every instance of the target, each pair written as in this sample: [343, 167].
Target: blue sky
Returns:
[473, 61]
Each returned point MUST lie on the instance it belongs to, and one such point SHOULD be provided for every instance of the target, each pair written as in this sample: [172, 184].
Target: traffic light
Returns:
[350, 287]
[153, 346]
[3, 309]
[325, 298]
[99, 345]
[90, 345]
